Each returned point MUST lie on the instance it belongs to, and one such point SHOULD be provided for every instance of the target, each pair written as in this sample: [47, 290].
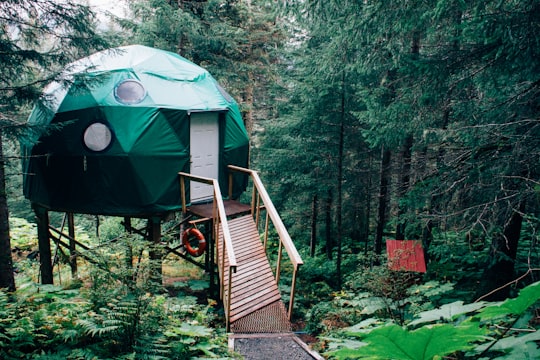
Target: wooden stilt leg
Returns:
[156, 255]
[44, 243]
[72, 249]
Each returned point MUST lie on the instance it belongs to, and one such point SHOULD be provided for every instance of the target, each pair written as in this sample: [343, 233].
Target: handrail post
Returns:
[278, 265]
[230, 185]
[258, 211]
[293, 288]
[183, 192]
[253, 195]
[231, 268]
[266, 225]
[222, 290]
[216, 236]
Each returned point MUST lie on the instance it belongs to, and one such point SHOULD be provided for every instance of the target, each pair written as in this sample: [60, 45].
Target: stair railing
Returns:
[261, 195]
[219, 219]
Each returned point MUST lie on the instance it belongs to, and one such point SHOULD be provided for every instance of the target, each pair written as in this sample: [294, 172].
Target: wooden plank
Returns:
[247, 258]
[242, 301]
[253, 285]
[240, 314]
[250, 253]
[254, 306]
[259, 261]
[248, 245]
[254, 271]
[237, 291]
[246, 240]
[249, 236]
[258, 264]
[251, 289]
[253, 300]
[240, 283]
[232, 208]
[257, 252]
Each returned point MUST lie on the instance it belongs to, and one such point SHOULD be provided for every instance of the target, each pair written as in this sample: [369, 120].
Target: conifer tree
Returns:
[37, 38]
[461, 80]
[236, 41]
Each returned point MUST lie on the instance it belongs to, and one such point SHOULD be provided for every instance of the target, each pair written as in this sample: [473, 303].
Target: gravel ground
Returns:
[271, 348]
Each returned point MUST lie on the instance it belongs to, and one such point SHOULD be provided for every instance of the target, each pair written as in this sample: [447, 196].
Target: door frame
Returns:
[200, 194]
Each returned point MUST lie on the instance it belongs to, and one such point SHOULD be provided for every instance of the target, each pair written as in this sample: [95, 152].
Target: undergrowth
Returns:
[384, 314]
[114, 310]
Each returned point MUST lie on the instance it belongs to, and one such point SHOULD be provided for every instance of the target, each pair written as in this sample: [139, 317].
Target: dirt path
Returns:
[271, 347]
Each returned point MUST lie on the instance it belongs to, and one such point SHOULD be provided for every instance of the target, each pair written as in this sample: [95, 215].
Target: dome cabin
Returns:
[137, 132]
[120, 128]
[112, 137]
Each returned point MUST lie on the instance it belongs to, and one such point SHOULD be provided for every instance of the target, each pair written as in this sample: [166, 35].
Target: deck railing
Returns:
[220, 220]
[259, 195]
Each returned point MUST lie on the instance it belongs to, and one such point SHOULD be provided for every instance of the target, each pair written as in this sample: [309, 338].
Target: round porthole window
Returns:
[129, 92]
[97, 137]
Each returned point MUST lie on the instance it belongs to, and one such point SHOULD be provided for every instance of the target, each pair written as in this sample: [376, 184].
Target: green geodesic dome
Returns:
[123, 133]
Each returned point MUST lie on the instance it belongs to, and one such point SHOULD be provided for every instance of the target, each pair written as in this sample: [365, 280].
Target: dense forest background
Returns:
[369, 120]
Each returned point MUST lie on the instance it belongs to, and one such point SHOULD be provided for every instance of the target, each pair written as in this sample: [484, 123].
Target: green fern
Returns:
[459, 333]
[429, 342]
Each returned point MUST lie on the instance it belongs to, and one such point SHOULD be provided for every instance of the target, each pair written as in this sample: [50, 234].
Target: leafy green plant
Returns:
[430, 342]
[470, 329]
[396, 295]
[117, 311]
[39, 319]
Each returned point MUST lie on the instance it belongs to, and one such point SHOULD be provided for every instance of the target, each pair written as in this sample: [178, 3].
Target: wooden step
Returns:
[253, 284]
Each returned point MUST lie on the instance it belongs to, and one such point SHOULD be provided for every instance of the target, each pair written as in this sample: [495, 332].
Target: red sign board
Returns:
[405, 255]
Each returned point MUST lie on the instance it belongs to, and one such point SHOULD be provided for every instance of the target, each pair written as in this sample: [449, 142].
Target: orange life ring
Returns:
[198, 251]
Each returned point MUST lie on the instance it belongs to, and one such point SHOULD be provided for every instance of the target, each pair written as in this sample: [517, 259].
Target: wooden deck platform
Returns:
[233, 208]
[254, 289]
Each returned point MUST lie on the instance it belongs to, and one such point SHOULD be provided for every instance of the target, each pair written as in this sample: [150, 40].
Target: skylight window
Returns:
[129, 92]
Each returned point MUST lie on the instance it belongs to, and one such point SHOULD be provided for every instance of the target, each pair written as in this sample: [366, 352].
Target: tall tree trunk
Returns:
[328, 230]
[420, 173]
[502, 259]
[249, 89]
[405, 157]
[368, 205]
[403, 185]
[313, 241]
[383, 193]
[7, 279]
[340, 183]
[248, 105]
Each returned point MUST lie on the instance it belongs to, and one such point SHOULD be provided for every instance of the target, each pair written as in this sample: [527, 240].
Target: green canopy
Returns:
[124, 133]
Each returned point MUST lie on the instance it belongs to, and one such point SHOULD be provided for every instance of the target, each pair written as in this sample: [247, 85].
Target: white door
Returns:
[204, 147]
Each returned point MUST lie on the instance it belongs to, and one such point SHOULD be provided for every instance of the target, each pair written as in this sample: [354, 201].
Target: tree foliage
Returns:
[459, 79]
[237, 41]
[37, 39]
[441, 334]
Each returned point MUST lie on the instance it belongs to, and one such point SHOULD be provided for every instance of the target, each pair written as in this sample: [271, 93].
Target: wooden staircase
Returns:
[256, 304]
[248, 285]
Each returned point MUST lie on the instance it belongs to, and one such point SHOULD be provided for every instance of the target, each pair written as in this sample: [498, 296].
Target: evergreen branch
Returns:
[513, 282]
